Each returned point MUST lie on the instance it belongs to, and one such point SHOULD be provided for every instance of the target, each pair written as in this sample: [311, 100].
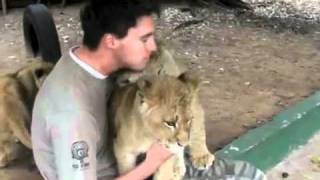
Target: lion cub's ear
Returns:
[40, 72]
[143, 84]
[38, 76]
[191, 79]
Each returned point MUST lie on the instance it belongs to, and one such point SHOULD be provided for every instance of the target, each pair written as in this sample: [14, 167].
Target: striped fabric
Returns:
[224, 169]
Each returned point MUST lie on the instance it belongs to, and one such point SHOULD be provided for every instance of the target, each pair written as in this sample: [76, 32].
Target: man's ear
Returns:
[110, 41]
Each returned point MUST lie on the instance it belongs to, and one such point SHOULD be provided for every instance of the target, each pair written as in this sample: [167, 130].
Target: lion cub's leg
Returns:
[173, 169]
[125, 159]
[14, 150]
[200, 155]
[3, 157]
[10, 151]
[17, 121]
[20, 130]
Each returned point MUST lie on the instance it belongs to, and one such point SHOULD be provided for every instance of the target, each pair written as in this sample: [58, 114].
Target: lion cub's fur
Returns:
[155, 109]
[163, 62]
[17, 94]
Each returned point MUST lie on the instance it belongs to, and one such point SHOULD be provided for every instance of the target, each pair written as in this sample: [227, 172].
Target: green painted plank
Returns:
[269, 144]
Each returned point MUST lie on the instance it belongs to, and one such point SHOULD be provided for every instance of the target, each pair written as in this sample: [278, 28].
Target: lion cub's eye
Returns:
[170, 123]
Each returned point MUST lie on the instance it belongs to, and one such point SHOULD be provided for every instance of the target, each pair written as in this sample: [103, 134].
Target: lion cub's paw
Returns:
[3, 161]
[202, 161]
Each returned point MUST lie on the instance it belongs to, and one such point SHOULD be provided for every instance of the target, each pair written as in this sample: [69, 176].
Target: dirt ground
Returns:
[251, 67]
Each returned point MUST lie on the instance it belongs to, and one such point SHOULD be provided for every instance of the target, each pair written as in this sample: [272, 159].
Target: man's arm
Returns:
[156, 156]
[74, 138]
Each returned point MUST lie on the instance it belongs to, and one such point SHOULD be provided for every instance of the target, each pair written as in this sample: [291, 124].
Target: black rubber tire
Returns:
[40, 34]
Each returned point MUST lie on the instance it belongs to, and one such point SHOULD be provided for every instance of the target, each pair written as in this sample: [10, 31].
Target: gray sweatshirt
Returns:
[69, 130]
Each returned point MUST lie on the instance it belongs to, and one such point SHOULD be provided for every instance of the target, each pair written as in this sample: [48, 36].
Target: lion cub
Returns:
[164, 62]
[154, 109]
[17, 94]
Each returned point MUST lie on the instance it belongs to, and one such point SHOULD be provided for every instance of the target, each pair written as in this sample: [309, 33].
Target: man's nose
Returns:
[152, 46]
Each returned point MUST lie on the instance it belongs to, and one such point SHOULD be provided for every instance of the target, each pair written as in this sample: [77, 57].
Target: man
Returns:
[69, 129]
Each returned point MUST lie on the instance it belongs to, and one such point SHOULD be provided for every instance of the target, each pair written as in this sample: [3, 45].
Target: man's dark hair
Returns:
[112, 16]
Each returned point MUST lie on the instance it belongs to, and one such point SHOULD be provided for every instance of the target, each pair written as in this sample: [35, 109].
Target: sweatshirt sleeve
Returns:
[74, 138]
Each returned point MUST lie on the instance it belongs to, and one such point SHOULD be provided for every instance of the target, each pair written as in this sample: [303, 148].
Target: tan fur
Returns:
[142, 112]
[155, 109]
[17, 94]
[163, 62]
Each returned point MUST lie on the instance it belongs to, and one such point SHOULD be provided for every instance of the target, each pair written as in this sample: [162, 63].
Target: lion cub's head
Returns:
[164, 102]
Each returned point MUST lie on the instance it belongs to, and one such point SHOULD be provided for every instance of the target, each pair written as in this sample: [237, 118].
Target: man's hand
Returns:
[157, 154]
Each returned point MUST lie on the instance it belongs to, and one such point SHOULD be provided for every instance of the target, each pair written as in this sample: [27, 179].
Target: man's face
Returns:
[135, 48]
